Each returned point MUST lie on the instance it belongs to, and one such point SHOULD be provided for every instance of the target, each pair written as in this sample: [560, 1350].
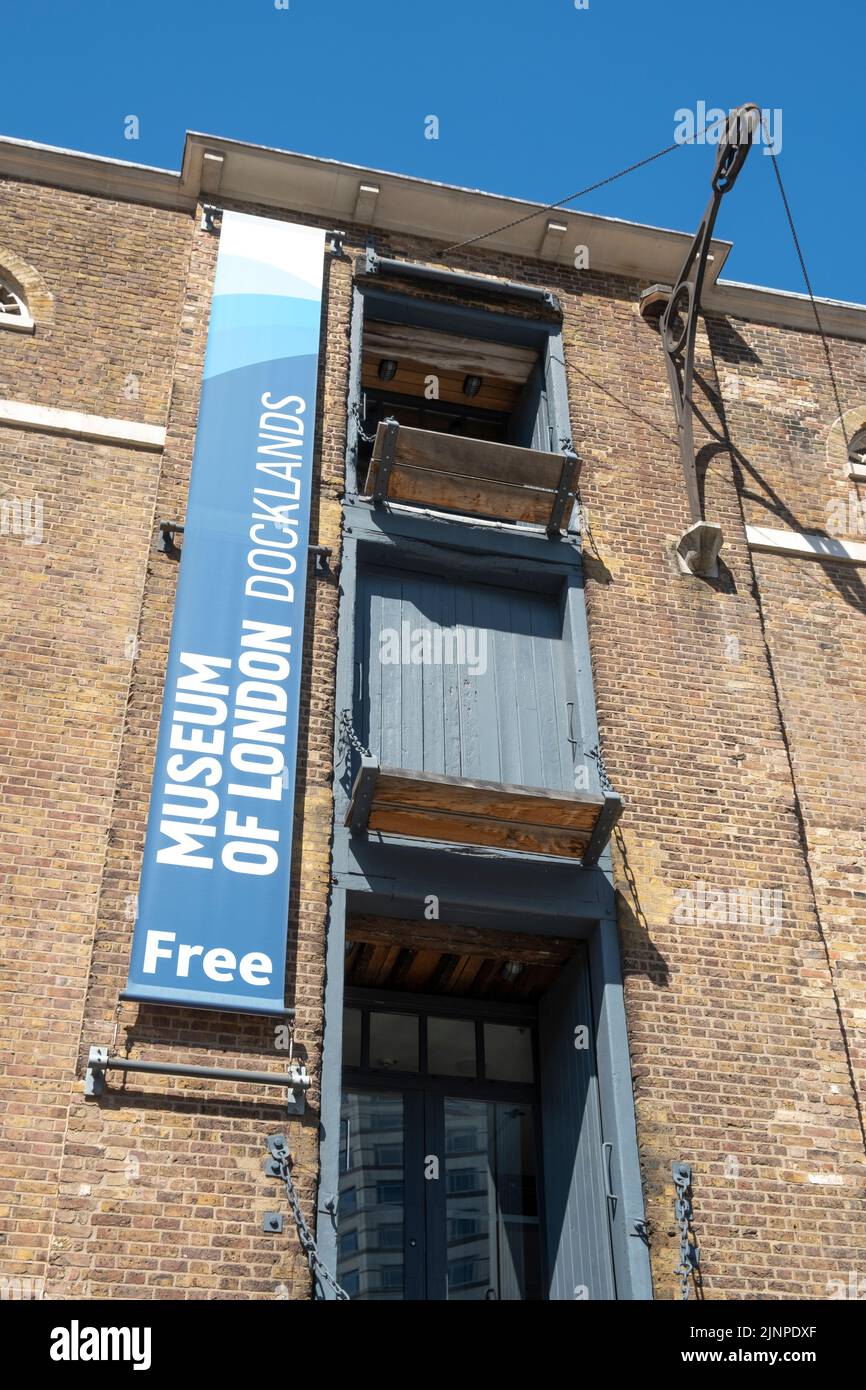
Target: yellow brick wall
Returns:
[728, 713]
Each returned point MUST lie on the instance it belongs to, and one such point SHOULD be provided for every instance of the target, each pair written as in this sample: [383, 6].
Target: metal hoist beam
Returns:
[699, 545]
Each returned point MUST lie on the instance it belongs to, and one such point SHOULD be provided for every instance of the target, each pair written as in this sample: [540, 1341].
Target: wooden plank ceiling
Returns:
[420, 353]
[441, 958]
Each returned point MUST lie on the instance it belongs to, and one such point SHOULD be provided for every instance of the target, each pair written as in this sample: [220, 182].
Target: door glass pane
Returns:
[507, 1052]
[451, 1047]
[515, 1171]
[370, 1211]
[470, 1211]
[491, 1201]
[394, 1042]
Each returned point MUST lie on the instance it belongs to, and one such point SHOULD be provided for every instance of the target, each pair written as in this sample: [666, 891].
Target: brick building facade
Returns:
[729, 711]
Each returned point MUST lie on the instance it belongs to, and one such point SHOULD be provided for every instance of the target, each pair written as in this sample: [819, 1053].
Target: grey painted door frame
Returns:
[627, 1224]
[392, 307]
[535, 893]
[560, 898]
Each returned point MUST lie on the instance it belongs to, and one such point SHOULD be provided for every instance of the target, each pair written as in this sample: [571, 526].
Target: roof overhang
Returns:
[436, 212]
[215, 169]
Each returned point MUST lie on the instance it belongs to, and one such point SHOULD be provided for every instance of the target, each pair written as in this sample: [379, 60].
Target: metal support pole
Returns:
[99, 1062]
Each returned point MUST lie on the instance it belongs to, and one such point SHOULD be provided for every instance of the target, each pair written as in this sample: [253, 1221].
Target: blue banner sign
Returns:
[213, 903]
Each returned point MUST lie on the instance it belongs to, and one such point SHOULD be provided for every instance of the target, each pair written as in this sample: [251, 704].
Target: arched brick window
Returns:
[14, 312]
[857, 447]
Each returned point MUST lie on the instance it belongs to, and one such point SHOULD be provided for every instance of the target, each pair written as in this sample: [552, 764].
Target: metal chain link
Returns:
[690, 1255]
[362, 433]
[305, 1235]
[347, 732]
[596, 755]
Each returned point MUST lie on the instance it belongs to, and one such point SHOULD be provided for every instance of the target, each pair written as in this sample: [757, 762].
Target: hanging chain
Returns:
[305, 1235]
[362, 433]
[596, 755]
[348, 735]
[690, 1255]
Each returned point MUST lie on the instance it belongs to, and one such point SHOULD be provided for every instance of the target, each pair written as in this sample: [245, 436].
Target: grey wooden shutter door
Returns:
[529, 422]
[502, 717]
[576, 1207]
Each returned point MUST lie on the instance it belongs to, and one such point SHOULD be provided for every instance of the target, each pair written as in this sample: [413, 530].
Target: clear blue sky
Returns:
[534, 99]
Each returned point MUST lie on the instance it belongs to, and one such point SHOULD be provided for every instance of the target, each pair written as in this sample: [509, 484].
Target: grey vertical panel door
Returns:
[529, 422]
[501, 714]
[577, 1219]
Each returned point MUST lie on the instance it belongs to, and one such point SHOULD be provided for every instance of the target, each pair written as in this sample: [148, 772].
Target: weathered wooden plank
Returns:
[383, 963]
[474, 830]
[463, 977]
[478, 458]
[473, 476]
[496, 801]
[421, 970]
[412, 380]
[452, 351]
[451, 492]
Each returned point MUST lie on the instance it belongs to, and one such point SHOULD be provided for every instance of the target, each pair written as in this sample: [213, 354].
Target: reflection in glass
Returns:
[491, 1201]
[370, 1255]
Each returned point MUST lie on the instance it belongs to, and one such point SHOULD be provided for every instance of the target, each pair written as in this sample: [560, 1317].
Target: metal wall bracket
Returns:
[272, 1223]
[682, 1174]
[210, 217]
[362, 795]
[322, 555]
[295, 1079]
[603, 829]
[168, 530]
[390, 431]
[688, 1267]
[570, 467]
[679, 319]
[296, 1100]
[94, 1077]
[335, 243]
[278, 1146]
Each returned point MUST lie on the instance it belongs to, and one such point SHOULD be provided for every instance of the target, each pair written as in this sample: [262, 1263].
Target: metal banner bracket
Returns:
[295, 1079]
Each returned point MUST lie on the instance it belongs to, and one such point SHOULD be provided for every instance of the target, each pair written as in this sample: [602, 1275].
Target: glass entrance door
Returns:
[491, 1202]
[372, 1196]
[438, 1197]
